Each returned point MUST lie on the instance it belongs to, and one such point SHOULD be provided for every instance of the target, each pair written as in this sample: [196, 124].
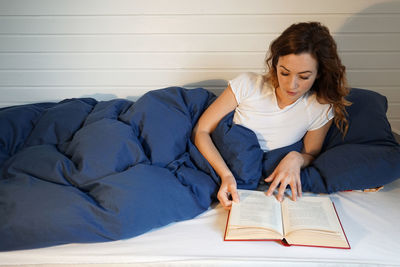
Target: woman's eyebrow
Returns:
[284, 68]
[306, 71]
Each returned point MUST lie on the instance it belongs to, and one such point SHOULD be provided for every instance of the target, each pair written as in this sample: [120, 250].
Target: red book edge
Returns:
[284, 242]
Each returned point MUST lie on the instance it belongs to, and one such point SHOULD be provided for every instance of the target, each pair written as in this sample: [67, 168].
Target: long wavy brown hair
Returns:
[331, 83]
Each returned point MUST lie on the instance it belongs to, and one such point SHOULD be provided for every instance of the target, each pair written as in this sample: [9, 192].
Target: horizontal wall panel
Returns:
[175, 43]
[135, 43]
[201, 24]
[176, 60]
[109, 78]
[123, 7]
[155, 77]
[131, 60]
[373, 78]
[371, 60]
[368, 42]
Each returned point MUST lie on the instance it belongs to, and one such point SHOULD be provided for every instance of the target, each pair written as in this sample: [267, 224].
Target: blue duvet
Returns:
[87, 171]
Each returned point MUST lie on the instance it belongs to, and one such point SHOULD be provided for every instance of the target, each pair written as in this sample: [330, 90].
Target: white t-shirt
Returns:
[258, 110]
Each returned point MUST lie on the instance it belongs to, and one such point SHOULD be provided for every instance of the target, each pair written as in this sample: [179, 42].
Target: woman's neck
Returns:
[282, 101]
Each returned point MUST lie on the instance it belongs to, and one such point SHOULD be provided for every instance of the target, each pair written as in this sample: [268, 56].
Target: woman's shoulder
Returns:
[248, 84]
[312, 98]
[249, 80]
[316, 104]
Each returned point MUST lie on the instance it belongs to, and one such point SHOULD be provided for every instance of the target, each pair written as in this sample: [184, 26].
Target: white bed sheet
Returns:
[370, 220]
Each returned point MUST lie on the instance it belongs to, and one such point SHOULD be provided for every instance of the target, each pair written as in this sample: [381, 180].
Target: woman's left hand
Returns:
[287, 173]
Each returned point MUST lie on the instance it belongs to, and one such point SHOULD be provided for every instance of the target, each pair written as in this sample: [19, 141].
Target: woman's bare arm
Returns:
[208, 121]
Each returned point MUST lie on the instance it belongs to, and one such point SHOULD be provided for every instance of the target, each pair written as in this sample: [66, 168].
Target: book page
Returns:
[316, 213]
[256, 209]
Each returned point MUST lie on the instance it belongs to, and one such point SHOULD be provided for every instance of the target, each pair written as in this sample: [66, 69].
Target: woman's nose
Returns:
[294, 83]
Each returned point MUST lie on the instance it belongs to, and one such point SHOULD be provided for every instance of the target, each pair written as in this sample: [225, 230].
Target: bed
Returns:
[116, 182]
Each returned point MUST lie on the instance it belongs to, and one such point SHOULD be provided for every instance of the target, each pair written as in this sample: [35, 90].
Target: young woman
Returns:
[302, 93]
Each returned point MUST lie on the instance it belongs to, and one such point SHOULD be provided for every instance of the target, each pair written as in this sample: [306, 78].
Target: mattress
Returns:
[370, 220]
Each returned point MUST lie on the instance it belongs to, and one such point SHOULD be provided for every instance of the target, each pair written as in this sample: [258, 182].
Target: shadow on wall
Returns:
[389, 7]
[356, 23]
[389, 83]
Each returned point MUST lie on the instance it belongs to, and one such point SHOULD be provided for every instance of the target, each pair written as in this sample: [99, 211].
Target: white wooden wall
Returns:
[55, 49]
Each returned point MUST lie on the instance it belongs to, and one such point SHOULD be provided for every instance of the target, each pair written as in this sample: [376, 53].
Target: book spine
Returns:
[341, 226]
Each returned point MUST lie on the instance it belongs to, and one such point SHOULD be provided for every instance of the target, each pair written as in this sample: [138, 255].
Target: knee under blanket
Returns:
[86, 171]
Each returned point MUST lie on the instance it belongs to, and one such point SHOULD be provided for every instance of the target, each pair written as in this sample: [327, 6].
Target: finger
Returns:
[299, 190]
[270, 178]
[293, 188]
[223, 199]
[226, 204]
[235, 196]
[281, 191]
[284, 181]
[272, 187]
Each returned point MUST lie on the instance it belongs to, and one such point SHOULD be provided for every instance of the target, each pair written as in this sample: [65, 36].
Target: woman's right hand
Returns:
[207, 123]
[228, 192]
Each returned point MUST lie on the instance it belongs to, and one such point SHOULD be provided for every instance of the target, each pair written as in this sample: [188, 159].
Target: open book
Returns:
[309, 221]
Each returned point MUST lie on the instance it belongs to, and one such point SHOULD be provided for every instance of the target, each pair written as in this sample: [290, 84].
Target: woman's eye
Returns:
[284, 74]
[304, 78]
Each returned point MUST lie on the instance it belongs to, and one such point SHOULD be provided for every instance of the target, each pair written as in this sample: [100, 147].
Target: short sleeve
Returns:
[243, 85]
[321, 114]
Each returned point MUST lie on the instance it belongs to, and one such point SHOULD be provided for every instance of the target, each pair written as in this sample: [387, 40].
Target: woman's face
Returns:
[296, 75]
